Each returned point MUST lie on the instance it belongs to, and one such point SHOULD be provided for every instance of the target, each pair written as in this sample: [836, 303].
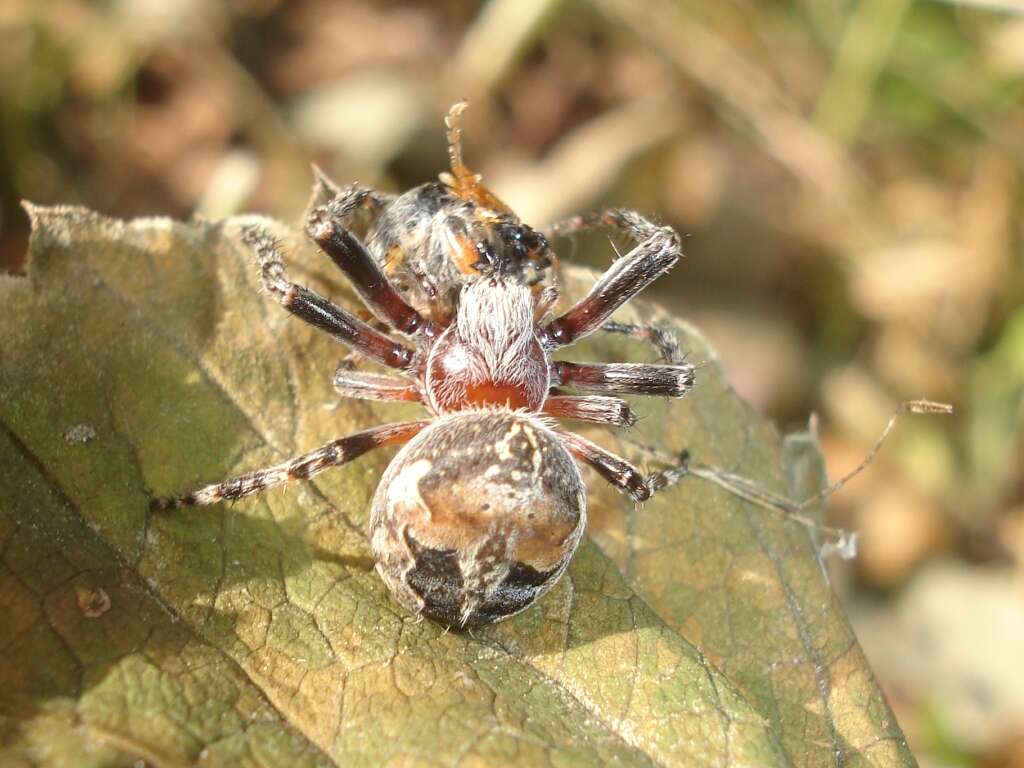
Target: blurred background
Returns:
[847, 174]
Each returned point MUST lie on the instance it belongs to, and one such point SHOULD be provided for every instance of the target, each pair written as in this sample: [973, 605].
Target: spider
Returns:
[481, 510]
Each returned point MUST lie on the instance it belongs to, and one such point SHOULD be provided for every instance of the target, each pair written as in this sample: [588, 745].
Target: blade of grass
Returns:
[865, 47]
[1006, 6]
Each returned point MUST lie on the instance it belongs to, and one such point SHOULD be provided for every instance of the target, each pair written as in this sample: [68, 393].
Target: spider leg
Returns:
[628, 222]
[661, 339]
[677, 468]
[320, 312]
[593, 408]
[657, 251]
[328, 225]
[363, 385]
[453, 124]
[361, 198]
[612, 468]
[572, 225]
[545, 305]
[333, 454]
[626, 378]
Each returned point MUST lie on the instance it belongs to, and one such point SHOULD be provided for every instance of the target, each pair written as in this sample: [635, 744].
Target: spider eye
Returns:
[515, 238]
[536, 241]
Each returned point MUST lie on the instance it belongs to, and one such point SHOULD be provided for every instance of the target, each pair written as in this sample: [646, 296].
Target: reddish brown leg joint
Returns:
[365, 273]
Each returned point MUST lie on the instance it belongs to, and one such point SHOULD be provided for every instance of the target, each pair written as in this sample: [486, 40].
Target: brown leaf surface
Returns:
[140, 358]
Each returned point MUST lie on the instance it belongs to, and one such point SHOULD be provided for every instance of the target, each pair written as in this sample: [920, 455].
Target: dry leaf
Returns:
[695, 630]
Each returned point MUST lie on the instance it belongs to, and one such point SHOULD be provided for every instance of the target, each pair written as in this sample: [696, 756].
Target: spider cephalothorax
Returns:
[490, 355]
[481, 510]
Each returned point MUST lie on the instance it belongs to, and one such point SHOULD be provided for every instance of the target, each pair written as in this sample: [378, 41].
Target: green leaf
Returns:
[141, 358]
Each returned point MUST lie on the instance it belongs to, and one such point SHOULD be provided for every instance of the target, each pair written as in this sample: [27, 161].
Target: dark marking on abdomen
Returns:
[521, 587]
[437, 578]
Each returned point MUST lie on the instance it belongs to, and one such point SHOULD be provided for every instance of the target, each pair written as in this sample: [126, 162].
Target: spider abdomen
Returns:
[477, 517]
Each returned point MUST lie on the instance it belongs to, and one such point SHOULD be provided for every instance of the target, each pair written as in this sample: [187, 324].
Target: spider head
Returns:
[509, 248]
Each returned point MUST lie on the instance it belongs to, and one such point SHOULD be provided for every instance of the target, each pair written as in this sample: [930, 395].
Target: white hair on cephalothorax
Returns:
[495, 319]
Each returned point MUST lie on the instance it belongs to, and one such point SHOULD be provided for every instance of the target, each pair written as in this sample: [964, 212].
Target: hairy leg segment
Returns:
[333, 454]
[593, 408]
[365, 385]
[328, 227]
[656, 253]
[320, 312]
[626, 378]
